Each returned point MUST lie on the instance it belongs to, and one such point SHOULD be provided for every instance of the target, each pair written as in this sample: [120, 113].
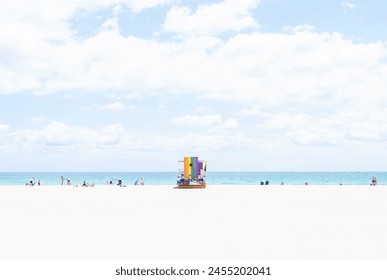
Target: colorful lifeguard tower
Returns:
[193, 176]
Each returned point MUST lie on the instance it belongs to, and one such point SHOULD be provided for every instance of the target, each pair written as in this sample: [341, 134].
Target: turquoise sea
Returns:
[216, 178]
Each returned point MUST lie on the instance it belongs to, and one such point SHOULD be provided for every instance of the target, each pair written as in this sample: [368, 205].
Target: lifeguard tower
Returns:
[193, 176]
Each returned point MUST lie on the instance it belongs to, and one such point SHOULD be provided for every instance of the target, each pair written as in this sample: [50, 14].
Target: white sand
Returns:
[220, 222]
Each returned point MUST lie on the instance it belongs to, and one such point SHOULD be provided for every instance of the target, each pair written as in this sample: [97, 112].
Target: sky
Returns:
[248, 85]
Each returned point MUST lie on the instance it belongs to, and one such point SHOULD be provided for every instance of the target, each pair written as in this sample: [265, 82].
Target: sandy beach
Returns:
[219, 222]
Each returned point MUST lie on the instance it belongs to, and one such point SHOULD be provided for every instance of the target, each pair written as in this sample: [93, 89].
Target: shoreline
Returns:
[213, 178]
[207, 186]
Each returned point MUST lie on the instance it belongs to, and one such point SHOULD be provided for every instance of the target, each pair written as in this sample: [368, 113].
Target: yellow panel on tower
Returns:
[187, 171]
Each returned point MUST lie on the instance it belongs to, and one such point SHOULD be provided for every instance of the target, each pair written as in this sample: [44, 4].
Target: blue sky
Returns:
[249, 85]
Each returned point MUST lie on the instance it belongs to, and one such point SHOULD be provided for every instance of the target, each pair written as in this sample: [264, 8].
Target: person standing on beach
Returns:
[142, 182]
[62, 179]
[373, 181]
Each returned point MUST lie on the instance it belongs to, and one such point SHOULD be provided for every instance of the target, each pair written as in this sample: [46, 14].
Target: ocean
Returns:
[213, 178]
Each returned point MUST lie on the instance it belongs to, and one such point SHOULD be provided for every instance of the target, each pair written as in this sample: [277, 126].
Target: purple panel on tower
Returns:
[195, 171]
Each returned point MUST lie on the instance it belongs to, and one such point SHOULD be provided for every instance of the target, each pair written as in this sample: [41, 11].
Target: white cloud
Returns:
[197, 120]
[214, 122]
[110, 25]
[298, 68]
[348, 5]
[115, 106]
[38, 118]
[4, 127]
[206, 109]
[138, 6]
[117, 10]
[129, 96]
[286, 121]
[301, 66]
[230, 124]
[318, 72]
[303, 129]
[210, 19]
[346, 128]
[57, 135]
[33, 33]
[254, 110]
[299, 28]
[65, 139]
